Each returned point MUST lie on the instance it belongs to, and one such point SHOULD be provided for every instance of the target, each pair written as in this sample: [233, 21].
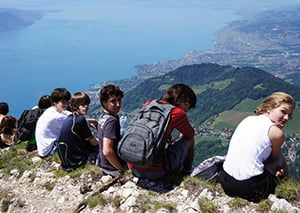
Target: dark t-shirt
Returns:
[108, 127]
[75, 133]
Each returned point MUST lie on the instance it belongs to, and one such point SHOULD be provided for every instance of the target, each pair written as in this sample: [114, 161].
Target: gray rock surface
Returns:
[39, 190]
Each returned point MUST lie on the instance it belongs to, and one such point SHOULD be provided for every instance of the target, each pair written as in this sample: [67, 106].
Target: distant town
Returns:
[269, 41]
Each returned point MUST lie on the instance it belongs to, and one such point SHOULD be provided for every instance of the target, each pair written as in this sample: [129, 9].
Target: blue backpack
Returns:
[145, 138]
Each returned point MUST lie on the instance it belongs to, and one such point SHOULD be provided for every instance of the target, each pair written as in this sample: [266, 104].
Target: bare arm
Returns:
[275, 160]
[92, 122]
[276, 136]
[110, 153]
[93, 141]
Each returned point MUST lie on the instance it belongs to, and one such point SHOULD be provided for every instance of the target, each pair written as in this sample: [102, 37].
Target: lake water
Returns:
[81, 43]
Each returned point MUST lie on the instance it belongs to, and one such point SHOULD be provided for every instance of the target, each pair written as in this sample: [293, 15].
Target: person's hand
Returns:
[92, 122]
[280, 173]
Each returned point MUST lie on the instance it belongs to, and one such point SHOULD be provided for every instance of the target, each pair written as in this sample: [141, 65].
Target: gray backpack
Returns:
[145, 138]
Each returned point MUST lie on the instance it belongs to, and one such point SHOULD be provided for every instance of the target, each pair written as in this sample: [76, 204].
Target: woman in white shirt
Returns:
[254, 162]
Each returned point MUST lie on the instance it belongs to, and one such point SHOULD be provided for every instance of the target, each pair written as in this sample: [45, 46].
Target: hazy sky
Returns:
[230, 4]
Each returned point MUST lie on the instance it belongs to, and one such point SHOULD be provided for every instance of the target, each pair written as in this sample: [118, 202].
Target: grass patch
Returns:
[206, 205]
[5, 198]
[189, 180]
[219, 85]
[289, 190]
[99, 199]
[3, 194]
[116, 201]
[155, 205]
[12, 159]
[196, 185]
[229, 119]
[146, 204]
[264, 206]
[247, 105]
[49, 185]
[237, 203]
[199, 139]
[5, 205]
[75, 173]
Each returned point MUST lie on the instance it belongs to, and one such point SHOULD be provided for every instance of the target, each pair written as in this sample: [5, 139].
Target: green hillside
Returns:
[218, 88]
[225, 95]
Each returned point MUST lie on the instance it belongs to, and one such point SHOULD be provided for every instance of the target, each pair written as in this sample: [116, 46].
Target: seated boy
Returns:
[109, 130]
[76, 142]
[50, 122]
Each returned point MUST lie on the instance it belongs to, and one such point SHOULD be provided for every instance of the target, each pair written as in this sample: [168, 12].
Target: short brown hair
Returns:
[77, 99]
[60, 94]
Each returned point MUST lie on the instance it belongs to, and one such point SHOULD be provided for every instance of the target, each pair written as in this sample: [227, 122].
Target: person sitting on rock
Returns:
[179, 154]
[50, 122]
[109, 130]
[27, 122]
[254, 162]
[76, 142]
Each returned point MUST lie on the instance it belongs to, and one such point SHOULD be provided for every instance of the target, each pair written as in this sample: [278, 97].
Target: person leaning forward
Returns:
[179, 154]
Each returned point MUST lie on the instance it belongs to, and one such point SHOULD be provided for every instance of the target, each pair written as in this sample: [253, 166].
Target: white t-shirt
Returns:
[249, 147]
[48, 129]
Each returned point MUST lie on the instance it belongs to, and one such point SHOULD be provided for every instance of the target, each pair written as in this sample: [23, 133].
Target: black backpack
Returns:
[145, 138]
[27, 123]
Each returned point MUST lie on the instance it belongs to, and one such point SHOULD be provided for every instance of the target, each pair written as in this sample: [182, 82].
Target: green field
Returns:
[230, 119]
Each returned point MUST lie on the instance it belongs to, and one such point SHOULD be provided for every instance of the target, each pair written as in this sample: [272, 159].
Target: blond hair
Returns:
[274, 101]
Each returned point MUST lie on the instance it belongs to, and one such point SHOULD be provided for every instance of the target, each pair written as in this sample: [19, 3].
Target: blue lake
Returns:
[81, 43]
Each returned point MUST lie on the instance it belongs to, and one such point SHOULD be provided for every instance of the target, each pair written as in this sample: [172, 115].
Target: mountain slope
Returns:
[219, 88]
[225, 95]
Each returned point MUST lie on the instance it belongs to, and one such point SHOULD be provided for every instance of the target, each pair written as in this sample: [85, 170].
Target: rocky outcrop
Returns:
[46, 188]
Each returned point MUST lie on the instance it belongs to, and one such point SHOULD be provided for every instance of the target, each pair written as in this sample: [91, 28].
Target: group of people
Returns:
[15, 130]
[252, 167]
